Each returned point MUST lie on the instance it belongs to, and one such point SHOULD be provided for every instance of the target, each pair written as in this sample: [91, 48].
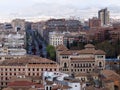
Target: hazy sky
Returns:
[32, 9]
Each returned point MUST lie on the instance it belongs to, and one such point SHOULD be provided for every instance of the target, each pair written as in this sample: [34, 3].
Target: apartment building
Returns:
[103, 15]
[27, 65]
[55, 38]
[12, 44]
[18, 24]
[80, 61]
[94, 22]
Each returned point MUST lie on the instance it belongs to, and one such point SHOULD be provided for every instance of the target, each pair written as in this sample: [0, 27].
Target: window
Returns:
[65, 65]
[65, 57]
[50, 88]
[14, 69]
[2, 83]
[19, 69]
[6, 69]
[37, 69]
[23, 69]
[89, 65]
[6, 78]
[37, 74]
[75, 85]
[86, 64]
[46, 88]
[83, 65]
[28, 69]
[10, 69]
[71, 64]
[100, 64]
[75, 65]
[50, 69]
[33, 69]
[89, 69]
[100, 56]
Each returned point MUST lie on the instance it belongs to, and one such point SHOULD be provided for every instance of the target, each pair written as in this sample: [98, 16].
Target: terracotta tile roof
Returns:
[26, 60]
[117, 83]
[56, 87]
[69, 79]
[66, 53]
[43, 65]
[49, 82]
[7, 88]
[77, 52]
[85, 74]
[39, 86]
[24, 84]
[84, 51]
[93, 88]
[61, 48]
[65, 87]
[20, 83]
[87, 51]
[111, 75]
[99, 52]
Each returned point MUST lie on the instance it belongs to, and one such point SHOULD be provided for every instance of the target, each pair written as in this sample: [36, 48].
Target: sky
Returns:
[45, 9]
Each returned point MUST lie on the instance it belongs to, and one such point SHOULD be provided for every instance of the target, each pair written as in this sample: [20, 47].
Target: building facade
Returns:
[55, 38]
[94, 22]
[18, 24]
[27, 65]
[80, 61]
[103, 15]
[12, 43]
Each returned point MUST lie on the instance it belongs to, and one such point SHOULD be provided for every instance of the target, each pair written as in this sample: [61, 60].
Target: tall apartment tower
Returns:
[103, 15]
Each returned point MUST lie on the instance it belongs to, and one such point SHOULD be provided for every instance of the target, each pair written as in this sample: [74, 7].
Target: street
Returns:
[35, 45]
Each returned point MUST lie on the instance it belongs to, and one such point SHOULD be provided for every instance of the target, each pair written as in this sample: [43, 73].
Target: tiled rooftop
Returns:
[61, 48]
[26, 60]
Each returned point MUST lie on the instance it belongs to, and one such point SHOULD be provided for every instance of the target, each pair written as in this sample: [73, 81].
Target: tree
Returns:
[51, 52]
[107, 47]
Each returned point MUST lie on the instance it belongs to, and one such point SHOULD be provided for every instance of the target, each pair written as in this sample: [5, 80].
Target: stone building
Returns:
[80, 61]
[28, 65]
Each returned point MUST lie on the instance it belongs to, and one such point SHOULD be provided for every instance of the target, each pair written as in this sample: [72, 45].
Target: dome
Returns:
[89, 46]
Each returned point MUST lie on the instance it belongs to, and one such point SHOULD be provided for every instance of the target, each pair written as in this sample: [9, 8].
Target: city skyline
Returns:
[44, 9]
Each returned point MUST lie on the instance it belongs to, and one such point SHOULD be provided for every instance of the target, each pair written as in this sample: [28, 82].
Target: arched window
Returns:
[65, 65]
[89, 64]
[100, 64]
[75, 65]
